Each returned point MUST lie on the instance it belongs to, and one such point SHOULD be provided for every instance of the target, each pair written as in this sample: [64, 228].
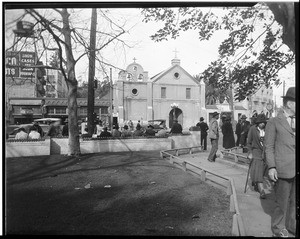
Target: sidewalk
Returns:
[256, 212]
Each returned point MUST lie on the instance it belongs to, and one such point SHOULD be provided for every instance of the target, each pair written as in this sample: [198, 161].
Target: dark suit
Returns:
[281, 154]
[203, 128]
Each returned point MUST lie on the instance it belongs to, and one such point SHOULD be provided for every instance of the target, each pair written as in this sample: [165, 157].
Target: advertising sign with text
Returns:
[19, 64]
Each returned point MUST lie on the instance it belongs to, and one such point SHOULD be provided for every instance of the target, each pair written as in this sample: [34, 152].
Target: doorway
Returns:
[175, 113]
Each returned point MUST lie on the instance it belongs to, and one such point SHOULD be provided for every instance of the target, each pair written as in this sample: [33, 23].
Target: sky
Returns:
[154, 57]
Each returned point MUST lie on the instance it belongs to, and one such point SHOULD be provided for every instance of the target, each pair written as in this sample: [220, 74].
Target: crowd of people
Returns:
[270, 148]
[269, 144]
[128, 131]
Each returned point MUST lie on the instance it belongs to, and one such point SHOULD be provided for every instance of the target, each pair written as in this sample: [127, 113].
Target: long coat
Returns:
[253, 143]
[245, 126]
[228, 137]
[280, 146]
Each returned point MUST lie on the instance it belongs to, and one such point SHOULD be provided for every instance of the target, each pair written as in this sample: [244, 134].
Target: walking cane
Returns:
[248, 175]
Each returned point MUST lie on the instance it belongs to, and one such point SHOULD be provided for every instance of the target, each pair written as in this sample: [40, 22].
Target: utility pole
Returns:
[92, 56]
[111, 99]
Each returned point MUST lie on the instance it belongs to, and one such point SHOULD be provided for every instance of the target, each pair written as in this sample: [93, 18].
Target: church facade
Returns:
[169, 95]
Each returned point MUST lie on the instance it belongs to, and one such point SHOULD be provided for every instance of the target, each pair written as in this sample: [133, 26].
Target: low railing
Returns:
[233, 152]
[237, 223]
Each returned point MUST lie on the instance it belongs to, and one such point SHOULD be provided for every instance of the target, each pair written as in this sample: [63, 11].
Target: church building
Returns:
[170, 94]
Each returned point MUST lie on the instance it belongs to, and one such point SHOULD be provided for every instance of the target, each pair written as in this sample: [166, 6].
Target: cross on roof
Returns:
[134, 59]
[175, 52]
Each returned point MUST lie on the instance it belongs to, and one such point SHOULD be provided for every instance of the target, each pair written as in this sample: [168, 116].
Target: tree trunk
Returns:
[74, 145]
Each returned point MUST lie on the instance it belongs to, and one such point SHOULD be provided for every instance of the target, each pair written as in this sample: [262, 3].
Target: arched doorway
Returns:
[175, 113]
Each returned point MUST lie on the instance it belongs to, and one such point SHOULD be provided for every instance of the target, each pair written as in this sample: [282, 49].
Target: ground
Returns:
[128, 193]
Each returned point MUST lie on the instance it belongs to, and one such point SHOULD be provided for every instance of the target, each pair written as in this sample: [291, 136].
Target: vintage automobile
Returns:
[43, 122]
[158, 124]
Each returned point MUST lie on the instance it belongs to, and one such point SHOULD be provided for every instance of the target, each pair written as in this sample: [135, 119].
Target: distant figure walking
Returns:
[214, 137]
[227, 131]
[203, 130]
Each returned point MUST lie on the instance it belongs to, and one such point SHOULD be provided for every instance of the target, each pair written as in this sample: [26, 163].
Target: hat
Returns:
[261, 118]
[244, 117]
[215, 114]
[290, 94]
[201, 118]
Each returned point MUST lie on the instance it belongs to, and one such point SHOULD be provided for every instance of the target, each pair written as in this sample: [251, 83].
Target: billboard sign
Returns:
[19, 64]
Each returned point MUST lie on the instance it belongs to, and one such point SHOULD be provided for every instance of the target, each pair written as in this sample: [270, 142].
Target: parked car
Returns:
[158, 124]
[47, 121]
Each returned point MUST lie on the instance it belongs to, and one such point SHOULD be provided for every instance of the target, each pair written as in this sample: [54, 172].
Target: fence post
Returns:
[229, 188]
[177, 152]
[190, 150]
[235, 228]
[232, 206]
[236, 159]
[184, 165]
[171, 159]
[203, 175]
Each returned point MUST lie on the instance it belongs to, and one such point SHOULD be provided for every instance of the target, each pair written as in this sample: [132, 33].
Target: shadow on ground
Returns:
[111, 194]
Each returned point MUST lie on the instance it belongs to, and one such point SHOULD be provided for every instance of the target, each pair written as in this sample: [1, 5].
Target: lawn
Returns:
[129, 193]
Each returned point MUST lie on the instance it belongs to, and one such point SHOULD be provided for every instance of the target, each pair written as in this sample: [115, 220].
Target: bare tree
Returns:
[64, 32]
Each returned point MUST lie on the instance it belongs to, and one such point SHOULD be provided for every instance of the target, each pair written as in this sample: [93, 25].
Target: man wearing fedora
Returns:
[281, 160]
[203, 129]
[214, 137]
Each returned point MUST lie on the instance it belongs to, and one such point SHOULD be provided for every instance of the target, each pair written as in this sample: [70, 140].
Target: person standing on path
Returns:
[227, 131]
[245, 126]
[238, 132]
[281, 160]
[214, 137]
[256, 154]
[203, 129]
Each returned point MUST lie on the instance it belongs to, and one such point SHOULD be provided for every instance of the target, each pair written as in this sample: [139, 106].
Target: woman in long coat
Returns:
[228, 136]
[255, 146]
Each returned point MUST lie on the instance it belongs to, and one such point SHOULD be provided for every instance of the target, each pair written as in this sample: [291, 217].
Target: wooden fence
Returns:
[172, 155]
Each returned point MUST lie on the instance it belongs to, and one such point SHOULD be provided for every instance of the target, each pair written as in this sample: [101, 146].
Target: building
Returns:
[56, 86]
[25, 110]
[172, 93]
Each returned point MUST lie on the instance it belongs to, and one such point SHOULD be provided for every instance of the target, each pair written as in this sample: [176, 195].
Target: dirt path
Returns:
[111, 194]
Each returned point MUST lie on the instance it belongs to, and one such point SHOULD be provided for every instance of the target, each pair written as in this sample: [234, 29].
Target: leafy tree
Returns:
[253, 50]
